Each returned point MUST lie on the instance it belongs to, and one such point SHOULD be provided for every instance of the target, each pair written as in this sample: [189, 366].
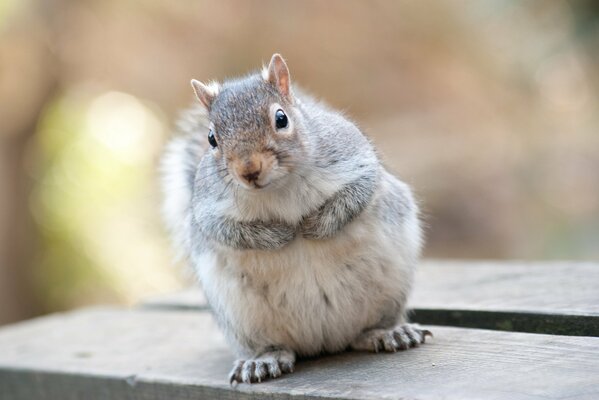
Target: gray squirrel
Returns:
[303, 243]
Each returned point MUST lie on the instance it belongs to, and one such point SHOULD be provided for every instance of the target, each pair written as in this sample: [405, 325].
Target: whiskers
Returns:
[223, 171]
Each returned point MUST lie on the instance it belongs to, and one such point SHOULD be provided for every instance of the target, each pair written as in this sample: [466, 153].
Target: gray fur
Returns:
[260, 235]
[341, 209]
[321, 258]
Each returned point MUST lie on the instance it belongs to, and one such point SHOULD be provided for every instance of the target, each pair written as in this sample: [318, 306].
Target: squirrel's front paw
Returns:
[268, 365]
[309, 227]
[318, 226]
[399, 338]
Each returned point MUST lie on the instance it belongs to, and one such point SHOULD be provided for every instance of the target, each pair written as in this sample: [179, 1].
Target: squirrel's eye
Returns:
[212, 139]
[281, 119]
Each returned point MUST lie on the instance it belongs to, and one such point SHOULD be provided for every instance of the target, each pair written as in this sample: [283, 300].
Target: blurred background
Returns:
[489, 109]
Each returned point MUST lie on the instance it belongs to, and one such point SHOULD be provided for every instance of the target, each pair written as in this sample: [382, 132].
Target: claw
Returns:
[286, 367]
[414, 335]
[234, 376]
[425, 333]
[375, 345]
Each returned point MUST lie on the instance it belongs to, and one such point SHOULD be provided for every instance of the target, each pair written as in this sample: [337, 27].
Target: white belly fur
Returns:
[313, 296]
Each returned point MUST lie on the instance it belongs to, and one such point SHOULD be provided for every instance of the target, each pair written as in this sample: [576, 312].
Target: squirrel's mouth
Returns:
[263, 180]
[253, 186]
[258, 186]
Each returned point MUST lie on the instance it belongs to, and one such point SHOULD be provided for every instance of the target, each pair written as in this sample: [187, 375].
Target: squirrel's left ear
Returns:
[277, 73]
[205, 93]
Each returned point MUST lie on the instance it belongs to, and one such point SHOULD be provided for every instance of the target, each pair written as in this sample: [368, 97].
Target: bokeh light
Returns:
[94, 201]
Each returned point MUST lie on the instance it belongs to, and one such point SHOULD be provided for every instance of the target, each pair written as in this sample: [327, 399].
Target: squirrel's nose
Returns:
[250, 170]
[251, 176]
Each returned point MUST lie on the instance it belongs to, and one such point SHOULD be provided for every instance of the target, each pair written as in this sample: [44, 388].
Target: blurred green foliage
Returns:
[94, 167]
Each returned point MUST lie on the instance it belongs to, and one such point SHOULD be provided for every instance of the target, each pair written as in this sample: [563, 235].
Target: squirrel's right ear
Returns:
[277, 73]
[205, 93]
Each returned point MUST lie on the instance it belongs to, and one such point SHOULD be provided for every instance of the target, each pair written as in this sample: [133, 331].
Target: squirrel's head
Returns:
[254, 125]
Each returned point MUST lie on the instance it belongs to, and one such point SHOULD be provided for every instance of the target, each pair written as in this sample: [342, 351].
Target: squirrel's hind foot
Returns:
[268, 365]
[401, 337]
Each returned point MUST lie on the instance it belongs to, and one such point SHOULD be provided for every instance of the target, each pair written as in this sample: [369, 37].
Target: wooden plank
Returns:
[530, 322]
[144, 354]
[566, 288]
[190, 299]
[539, 297]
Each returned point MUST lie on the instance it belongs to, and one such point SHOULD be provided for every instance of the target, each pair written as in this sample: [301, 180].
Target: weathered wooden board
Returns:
[191, 299]
[548, 297]
[567, 288]
[541, 297]
[145, 354]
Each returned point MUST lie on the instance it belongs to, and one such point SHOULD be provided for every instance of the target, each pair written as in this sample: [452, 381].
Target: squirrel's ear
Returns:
[278, 74]
[205, 93]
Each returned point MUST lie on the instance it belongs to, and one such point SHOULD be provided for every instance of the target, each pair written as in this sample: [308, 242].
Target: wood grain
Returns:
[567, 288]
[145, 354]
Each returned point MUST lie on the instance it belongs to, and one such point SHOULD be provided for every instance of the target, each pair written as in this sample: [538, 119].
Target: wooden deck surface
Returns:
[168, 354]
[170, 348]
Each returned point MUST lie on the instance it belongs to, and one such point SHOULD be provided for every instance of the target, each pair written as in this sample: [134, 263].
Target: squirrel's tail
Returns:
[177, 168]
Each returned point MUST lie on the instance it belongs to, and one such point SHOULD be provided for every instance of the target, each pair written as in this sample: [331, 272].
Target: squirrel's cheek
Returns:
[216, 153]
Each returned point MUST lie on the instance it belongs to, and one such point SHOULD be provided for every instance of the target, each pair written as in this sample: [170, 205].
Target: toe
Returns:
[413, 334]
[286, 366]
[389, 343]
[273, 368]
[402, 339]
[260, 371]
[235, 375]
[247, 371]
[376, 347]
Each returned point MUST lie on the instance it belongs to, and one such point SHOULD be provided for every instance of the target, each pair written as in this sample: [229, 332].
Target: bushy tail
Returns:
[178, 168]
